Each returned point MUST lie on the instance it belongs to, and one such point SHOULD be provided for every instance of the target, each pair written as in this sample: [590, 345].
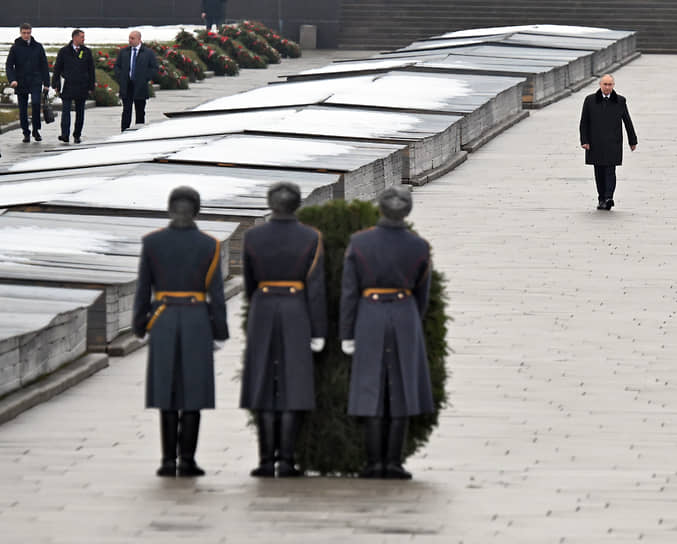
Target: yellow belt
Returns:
[198, 296]
[374, 292]
[292, 285]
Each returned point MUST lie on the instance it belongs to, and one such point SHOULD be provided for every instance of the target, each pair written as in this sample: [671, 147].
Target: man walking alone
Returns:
[602, 137]
[76, 64]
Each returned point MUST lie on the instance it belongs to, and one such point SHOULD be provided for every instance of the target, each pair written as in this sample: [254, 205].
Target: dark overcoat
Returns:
[180, 355]
[282, 250]
[146, 69]
[214, 8]
[77, 70]
[27, 65]
[386, 256]
[601, 128]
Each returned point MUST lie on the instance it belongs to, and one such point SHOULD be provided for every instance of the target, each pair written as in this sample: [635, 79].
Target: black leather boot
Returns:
[373, 440]
[190, 428]
[289, 426]
[265, 423]
[396, 437]
[169, 422]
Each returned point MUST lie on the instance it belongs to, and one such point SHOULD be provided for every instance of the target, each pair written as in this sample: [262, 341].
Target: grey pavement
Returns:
[562, 422]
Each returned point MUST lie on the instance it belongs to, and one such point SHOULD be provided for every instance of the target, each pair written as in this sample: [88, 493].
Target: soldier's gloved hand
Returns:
[348, 346]
[218, 344]
[316, 344]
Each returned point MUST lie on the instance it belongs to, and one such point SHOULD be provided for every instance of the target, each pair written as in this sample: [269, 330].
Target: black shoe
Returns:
[600, 205]
[37, 136]
[374, 470]
[609, 204]
[396, 472]
[167, 468]
[264, 470]
[286, 469]
[77, 139]
[27, 138]
[188, 469]
[64, 139]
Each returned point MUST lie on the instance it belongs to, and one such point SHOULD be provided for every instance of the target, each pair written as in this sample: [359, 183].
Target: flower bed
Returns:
[212, 55]
[285, 47]
[256, 43]
[244, 57]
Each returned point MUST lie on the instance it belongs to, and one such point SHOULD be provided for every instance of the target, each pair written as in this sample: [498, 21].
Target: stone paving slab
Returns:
[562, 422]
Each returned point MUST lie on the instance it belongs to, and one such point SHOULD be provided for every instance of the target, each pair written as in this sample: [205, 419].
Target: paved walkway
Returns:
[562, 426]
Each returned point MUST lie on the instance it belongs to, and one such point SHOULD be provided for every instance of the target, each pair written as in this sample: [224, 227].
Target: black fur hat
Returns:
[185, 193]
[395, 203]
[284, 197]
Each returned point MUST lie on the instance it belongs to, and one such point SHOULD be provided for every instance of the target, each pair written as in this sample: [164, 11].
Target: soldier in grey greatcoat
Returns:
[384, 295]
[180, 302]
[284, 283]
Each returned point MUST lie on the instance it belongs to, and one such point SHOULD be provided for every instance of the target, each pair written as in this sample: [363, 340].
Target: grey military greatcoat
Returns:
[278, 368]
[390, 356]
[180, 261]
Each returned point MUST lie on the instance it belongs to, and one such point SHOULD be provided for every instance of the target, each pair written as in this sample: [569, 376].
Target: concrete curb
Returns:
[57, 382]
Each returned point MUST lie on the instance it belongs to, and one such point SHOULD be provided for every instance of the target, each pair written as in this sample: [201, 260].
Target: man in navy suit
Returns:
[135, 66]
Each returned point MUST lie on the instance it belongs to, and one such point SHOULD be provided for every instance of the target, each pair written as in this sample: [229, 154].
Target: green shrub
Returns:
[331, 442]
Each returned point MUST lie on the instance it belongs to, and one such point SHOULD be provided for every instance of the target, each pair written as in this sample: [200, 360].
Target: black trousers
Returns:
[605, 178]
[139, 108]
[212, 20]
[66, 116]
[35, 94]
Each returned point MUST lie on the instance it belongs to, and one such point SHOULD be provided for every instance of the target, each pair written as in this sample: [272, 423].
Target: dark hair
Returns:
[76, 32]
[25, 26]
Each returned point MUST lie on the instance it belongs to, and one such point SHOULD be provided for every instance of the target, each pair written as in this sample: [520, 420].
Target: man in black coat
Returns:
[76, 64]
[602, 137]
[135, 66]
[284, 283]
[28, 73]
[213, 12]
[384, 295]
[180, 302]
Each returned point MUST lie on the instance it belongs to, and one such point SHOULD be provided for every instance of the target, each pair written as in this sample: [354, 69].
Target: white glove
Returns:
[348, 346]
[316, 344]
[218, 344]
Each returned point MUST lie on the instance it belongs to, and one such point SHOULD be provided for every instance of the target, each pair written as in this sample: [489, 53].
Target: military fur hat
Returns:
[284, 197]
[185, 193]
[395, 203]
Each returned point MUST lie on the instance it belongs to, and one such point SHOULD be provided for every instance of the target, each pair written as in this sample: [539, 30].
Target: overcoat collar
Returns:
[391, 223]
[599, 96]
[276, 216]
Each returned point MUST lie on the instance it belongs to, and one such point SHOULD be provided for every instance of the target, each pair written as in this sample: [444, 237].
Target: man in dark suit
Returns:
[384, 295]
[602, 137]
[284, 283]
[76, 64]
[28, 73]
[213, 12]
[135, 66]
[180, 267]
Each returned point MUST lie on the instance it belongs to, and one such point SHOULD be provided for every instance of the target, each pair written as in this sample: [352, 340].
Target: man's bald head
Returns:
[606, 83]
[134, 38]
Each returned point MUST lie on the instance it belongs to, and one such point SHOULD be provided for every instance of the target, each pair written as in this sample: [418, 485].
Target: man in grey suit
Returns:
[135, 66]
